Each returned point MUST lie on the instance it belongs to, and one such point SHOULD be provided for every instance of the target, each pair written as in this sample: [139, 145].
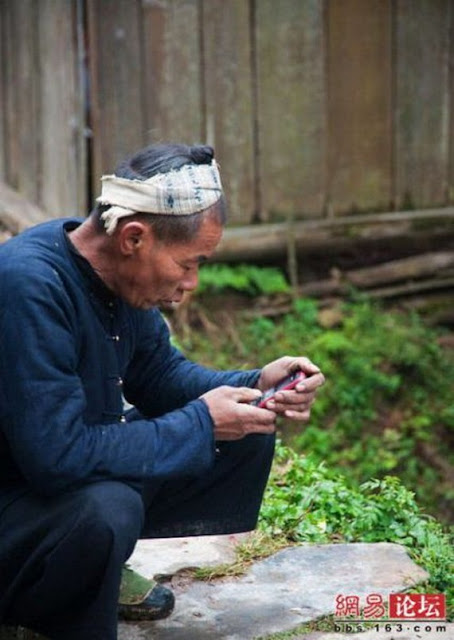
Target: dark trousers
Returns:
[61, 558]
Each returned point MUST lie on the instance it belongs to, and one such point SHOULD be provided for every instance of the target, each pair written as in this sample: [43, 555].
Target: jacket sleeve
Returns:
[42, 402]
[160, 378]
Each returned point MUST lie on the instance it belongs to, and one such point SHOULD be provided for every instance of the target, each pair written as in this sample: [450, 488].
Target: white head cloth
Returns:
[180, 192]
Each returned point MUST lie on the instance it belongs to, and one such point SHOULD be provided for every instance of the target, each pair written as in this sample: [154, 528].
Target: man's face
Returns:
[159, 274]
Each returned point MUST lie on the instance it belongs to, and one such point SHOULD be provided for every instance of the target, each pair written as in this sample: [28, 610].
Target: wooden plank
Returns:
[9, 97]
[423, 265]
[291, 107]
[434, 298]
[173, 74]
[59, 195]
[450, 194]
[116, 77]
[359, 114]
[271, 240]
[82, 98]
[422, 105]
[25, 96]
[2, 91]
[228, 101]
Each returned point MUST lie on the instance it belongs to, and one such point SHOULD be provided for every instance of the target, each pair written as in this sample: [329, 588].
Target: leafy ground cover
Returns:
[306, 501]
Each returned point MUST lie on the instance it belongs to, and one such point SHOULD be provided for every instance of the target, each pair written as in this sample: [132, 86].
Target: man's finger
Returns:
[305, 365]
[311, 383]
[246, 394]
[302, 416]
[291, 397]
[260, 428]
[258, 415]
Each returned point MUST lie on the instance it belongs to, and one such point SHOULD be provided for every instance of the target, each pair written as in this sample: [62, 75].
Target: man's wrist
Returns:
[259, 382]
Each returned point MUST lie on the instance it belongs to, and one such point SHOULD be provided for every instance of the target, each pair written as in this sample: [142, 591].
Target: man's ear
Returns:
[133, 236]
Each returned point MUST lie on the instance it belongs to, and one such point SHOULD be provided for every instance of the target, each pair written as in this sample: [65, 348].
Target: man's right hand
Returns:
[232, 414]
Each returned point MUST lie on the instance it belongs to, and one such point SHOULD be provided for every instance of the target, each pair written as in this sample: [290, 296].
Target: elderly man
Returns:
[81, 479]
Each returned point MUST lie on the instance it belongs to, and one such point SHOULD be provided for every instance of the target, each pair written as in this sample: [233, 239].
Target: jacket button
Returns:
[122, 419]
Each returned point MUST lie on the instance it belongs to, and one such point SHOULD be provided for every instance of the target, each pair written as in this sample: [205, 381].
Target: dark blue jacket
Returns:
[69, 351]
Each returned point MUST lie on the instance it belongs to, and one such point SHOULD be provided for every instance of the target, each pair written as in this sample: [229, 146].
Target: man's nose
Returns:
[191, 281]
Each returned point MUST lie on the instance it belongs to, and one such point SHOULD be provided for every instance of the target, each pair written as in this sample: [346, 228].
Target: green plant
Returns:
[258, 545]
[307, 502]
[243, 278]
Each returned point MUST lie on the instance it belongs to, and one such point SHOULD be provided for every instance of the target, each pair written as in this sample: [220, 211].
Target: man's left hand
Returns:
[295, 404]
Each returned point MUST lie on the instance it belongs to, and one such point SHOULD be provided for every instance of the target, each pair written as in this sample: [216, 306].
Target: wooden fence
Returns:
[316, 108]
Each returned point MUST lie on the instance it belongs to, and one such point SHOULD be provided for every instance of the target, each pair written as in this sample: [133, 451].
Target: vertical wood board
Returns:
[116, 82]
[228, 101]
[9, 94]
[81, 134]
[23, 62]
[450, 194]
[172, 71]
[2, 92]
[422, 102]
[59, 192]
[291, 107]
[359, 113]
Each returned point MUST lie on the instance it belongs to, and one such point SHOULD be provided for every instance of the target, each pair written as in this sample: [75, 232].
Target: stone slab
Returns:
[280, 593]
[164, 557]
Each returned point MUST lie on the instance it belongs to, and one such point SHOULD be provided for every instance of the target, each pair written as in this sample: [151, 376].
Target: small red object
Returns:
[284, 385]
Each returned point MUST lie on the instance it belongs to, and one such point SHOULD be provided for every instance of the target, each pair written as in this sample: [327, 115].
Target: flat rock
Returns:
[164, 557]
[294, 586]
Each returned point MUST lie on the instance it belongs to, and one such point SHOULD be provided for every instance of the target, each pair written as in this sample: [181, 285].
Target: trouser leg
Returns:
[226, 499]
[61, 560]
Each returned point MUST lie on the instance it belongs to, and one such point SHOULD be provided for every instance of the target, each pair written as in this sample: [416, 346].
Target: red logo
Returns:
[347, 606]
[399, 606]
[375, 607]
[417, 606]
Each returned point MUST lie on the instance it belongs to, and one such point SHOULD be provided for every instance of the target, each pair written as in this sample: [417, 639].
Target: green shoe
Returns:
[143, 599]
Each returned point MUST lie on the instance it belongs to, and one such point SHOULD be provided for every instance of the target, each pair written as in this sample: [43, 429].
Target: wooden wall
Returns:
[316, 108]
[42, 144]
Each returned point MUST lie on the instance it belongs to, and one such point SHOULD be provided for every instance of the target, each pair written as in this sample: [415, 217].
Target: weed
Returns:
[305, 501]
[245, 278]
[256, 546]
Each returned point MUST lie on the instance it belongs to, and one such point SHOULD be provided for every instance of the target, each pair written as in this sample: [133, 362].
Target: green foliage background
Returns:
[353, 472]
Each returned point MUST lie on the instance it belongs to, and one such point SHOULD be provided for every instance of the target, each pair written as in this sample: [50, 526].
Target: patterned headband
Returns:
[180, 192]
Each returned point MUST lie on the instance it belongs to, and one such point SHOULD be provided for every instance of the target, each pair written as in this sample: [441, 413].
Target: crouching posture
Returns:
[81, 479]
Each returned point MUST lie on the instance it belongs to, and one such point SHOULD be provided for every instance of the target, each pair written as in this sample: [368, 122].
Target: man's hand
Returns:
[233, 417]
[295, 404]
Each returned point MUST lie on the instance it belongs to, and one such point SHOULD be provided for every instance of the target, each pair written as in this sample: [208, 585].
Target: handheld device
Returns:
[285, 384]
